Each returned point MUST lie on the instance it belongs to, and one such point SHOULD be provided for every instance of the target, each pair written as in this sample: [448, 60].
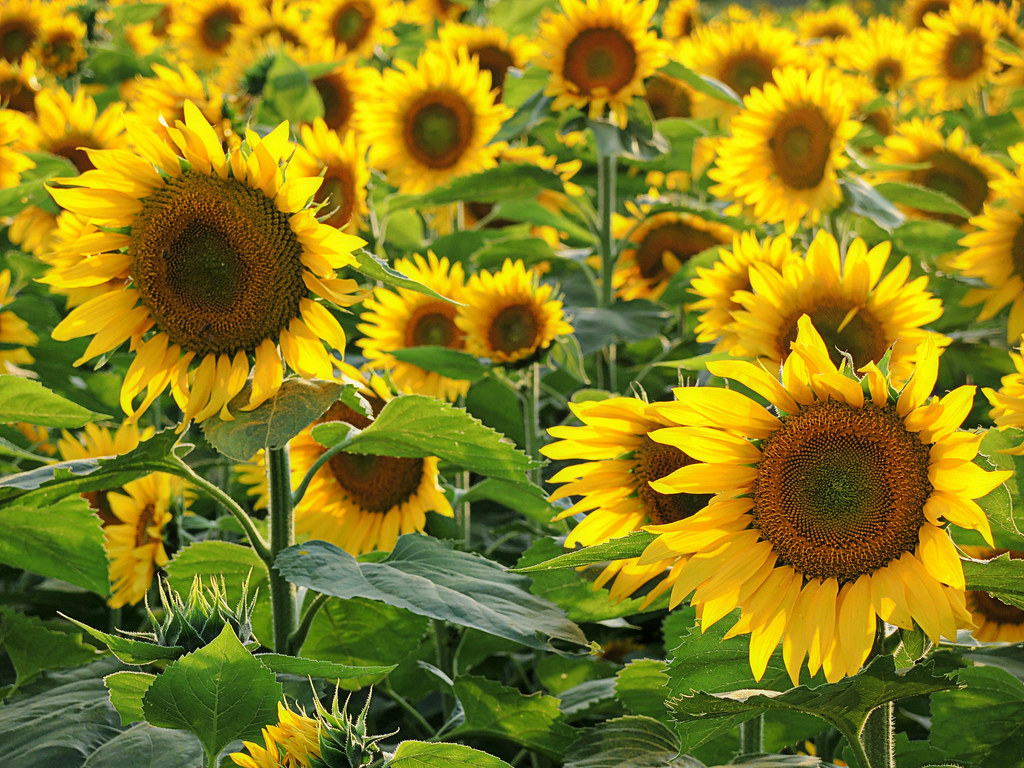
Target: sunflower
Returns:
[956, 55]
[341, 87]
[396, 320]
[202, 30]
[342, 162]
[247, 61]
[955, 166]
[881, 51]
[786, 148]
[856, 306]
[294, 742]
[72, 233]
[1008, 401]
[741, 54]
[13, 160]
[617, 460]
[826, 29]
[60, 44]
[669, 97]
[430, 123]
[430, 12]
[509, 317]
[21, 23]
[716, 286]
[160, 100]
[133, 516]
[15, 335]
[19, 84]
[655, 246]
[680, 19]
[995, 621]
[277, 19]
[914, 12]
[355, 26]
[829, 515]
[492, 47]
[599, 53]
[70, 125]
[222, 255]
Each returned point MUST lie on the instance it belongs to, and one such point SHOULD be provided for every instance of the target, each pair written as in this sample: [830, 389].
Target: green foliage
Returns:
[423, 754]
[288, 94]
[26, 400]
[626, 321]
[453, 363]
[622, 548]
[923, 198]
[144, 745]
[507, 181]
[126, 692]
[633, 741]
[33, 648]
[32, 189]
[378, 270]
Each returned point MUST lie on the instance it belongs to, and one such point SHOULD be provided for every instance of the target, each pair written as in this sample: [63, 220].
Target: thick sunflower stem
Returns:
[877, 737]
[751, 741]
[531, 418]
[606, 165]
[282, 536]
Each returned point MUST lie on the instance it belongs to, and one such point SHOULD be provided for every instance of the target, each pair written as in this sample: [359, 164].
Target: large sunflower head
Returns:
[616, 460]
[599, 53]
[508, 316]
[202, 30]
[15, 335]
[431, 122]
[492, 47]
[994, 620]
[829, 510]
[857, 306]
[785, 148]
[223, 262]
[21, 24]
[355, 26]
[341, 161]
[397, 320]
[656, 246]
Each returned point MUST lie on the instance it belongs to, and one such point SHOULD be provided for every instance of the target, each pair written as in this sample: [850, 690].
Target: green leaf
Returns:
[32, 189]
[220, 693]
[922, 198]
[864, 200]
[529, 500]
[416, 426]
[622, 548]
[628, 742]
[135, 652]
[32, 648]
[126, 692]
[932, 238]
[1005, 503]
[425, 576]
[505, 182]
[378, 270]
[143, 745]
[343, 674]
[298, 404]
[697, 363]
[62, 540]
[1002, 578]
[289, 94]
[26, 400]
[493, 709]
[424, 754]
[453, 363]
[983, 724]
[706, 85]
[642, 687]
[596, 327]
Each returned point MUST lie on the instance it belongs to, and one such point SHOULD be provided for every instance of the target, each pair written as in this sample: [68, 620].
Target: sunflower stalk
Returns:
[751, 741]
[531, 418]
[876, 738]
[282, 536]
[606, 166]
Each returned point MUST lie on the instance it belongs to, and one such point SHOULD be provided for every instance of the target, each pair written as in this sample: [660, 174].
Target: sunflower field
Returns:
[511, 384]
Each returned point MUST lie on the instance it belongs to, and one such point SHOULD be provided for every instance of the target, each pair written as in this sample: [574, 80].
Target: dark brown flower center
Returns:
[433, 324]
[438, 129]
[956, 177]
[600, 57]
[677, 238]
[515, 328]
[73, 148]
[887, 74]
[667, 98]
[217, 27]
[338, 193]
[101, 506]
[495, 60]
[17, 36]
[352, 23]
[840, 491]
[965, 55]
[935, 6]
[800, 145]
[337, 98]
[655, 461]
[744, 71]
[859, 333]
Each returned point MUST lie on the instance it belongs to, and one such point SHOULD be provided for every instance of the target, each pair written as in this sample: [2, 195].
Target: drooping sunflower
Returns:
[855, 304]
[716, 286]
[60, 44]
[223, 256]
[786, 147]
[492, 47]
[21, 22]
[395, 320]
[342, 162]
[431, 122]
[995, 621]
[828, 516]
[509, 317]
[655, 247]
[617, 460]
[955, 166]
[680, 19]
[956, 55]
[599, 53]
[881, 50]
[202, 30]
[293, 742]
[15, 335]
[355, 26]
[133, 516]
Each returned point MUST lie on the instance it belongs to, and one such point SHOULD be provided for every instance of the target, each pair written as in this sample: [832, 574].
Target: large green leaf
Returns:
[415, 426]
[864, 200]
[344, 674]
[452, 363]
[1004, 506]
[636, 320]
[220, 693]
[32, 189]
[33, 648]
[429, 578]
[628, 742]
[706, 85]
[923, 198]
[126, 692]
[1002, 578]
[642, 687]
[62, 540]
[931, 238]
[529, 500]
[622, 548]
[425, 754]
[378, 270]
[135, 652]
[26, 400]
[289, 94]
[507, 181]
[493, 709]
[143, 746]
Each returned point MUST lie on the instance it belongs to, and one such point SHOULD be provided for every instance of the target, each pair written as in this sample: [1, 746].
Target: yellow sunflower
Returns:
[19, 84]
[396, 320]
[599, 53]
[342, 163]
[829, 515]
[786, 146]
[341, 87]
[72, 234]
[13, 160]
[617, 460]
[955, 166]
[243, 74]
[492, 47]
[431, 122]
[655, 247]
[668, 97]
[680, 19]
[70, 125]
[60, 44]
[222, 254]
[160, 100]
[1008, 401]
[355, 26]
[294, 742]
[279, 19]
[881, 50]
[854, 303]
[133, 516]
[15, 334]
[509, 317]
[825, 30]
[21, 23]
[914, 12]
[995, 621]
[202, 30]
[716, 286]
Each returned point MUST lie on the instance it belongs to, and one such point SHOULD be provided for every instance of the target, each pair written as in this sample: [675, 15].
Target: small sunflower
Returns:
[492, 47]
[995, 621]
[60, 44]
[432, 122]
[509, 317]
[342, 163]
[786, 148]
[914, 12]
[396, 320]
[825, 30]
[160, 100]
[70, 125]
[19, 84]
[202, 30]
[15, 334]
[668, 97]
[655, 247]
[881, 50]
[293, 742]
[221, 253]
[617, 460]
[956, 55]
[21, 23]
[955, 166]
[341, 87]
[855, 304]
[355, 26]
[829, 515]
[1008, 401]
[680, 19]
[279, 20]
[599, 53]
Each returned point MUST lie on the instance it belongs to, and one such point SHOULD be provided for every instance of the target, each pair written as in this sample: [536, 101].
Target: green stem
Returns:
[322, 459]
[877, 737]
[464, 508]
[282, 536]
[751, 742]
[531, 418]
[606, 244]
[298, 637]
[414, 713]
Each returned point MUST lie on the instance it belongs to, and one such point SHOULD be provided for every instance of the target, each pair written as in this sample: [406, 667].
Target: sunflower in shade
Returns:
[994, 620]
[341, 161]
[680, 19]
[60, 44]
[599, 53]
[829, 509]
[222, 262]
